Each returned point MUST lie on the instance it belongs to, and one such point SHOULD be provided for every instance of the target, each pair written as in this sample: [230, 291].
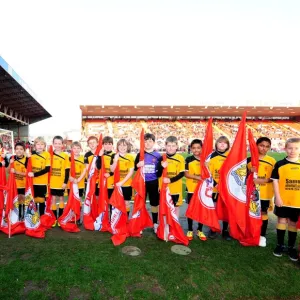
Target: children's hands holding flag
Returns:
[140, 164]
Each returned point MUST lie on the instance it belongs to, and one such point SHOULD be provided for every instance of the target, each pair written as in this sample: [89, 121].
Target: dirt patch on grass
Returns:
[30, 286]
[148, 284]
[191, 282]
[76, 293]
[5, 261]
[26, 256]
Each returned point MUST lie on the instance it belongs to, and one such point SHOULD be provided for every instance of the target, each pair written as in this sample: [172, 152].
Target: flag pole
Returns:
[9, 224]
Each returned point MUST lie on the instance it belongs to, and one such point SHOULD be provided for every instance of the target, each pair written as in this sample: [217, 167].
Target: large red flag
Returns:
[71, 212]
[90, 207]
[140, 217]
[10, 223]
[118, 219]
[33, 225]
[253, 213]
[201, 207]
[48, 218]
[169, 228]
[102, 221]
[232, 184]
[2, 183]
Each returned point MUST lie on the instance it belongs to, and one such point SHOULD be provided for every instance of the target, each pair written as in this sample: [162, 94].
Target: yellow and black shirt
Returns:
[265, 169]
[88, 158]
[175, 171]
[20, 165]
[107, 160]
[60, 170]
[192, 166]
[215, 163]
[40, 167]
[288, 175]
[79, 168]
[126, 163]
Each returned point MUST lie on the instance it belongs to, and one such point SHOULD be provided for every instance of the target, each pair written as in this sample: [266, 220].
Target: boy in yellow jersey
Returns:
[215, 163]
[80, 171]
[126, 162]
[286, 183]
[107, 143]
[175, 171]
[40, 160]
[88, 158]
[193, 175]
[19, 165]
[264, 182]
[59, 175]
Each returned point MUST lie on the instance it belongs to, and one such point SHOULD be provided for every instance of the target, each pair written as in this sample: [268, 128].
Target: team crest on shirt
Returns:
[236, 181]
[154, 160]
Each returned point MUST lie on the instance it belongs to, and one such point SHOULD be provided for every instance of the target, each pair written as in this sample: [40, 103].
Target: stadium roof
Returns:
[93, 111]
[18, 104]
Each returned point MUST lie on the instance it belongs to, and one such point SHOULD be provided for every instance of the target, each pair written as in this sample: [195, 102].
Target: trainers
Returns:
[278, 250]
[262, 241]
[190, 235]
[201, 235]
[55, 223]
[226, 236]
[212, 234]
[293, 254]
[155, 226]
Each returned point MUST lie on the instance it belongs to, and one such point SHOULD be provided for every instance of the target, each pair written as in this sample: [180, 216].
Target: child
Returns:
[286, 183]
[19, 165]
[59, 176]
[153, 170]
[175, 171]
[40, 160]
[108, 153]
[266, 193]
[88, 158]
[80, 170]
[192, 174]
[215, 163]
[126, 162]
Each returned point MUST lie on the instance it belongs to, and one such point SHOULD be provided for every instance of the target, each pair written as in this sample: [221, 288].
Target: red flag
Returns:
[48, 218]
[71, 212]
[10, 223]
[102, 221]
[253, 214]
[118, 219]
[207, 150]
[169, 228]
[2, 183]
[140, 217]
[201, 207]
[33, 225]
[232, 184]
[90, 207]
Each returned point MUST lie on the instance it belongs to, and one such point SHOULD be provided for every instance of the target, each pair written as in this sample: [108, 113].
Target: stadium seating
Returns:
[186, 130]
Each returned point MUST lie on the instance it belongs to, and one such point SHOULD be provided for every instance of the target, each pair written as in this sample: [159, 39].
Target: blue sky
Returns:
[159, 52]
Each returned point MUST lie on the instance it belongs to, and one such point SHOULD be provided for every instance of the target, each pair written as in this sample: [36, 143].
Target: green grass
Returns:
[86, 265]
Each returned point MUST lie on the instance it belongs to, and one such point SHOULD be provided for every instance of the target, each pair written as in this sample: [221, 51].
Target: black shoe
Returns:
[212, 235]
[293, 254]
[278, 250]
[226, 236]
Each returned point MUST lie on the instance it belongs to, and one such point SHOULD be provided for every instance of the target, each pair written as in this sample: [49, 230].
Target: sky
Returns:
[189, 52]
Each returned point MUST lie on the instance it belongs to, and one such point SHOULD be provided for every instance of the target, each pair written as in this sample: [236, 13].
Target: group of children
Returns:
[281, 178]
